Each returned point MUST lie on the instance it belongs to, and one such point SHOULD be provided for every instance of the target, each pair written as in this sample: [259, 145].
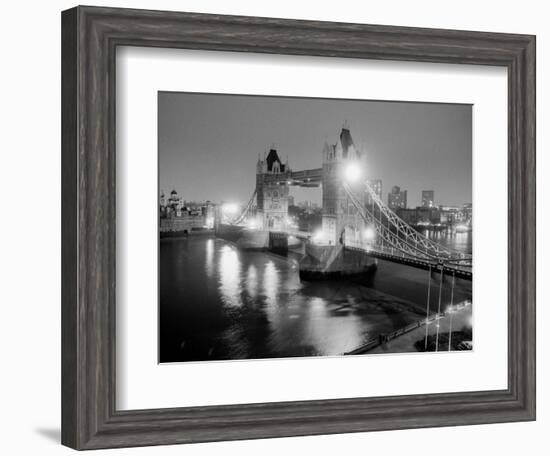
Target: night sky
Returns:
[209, 144]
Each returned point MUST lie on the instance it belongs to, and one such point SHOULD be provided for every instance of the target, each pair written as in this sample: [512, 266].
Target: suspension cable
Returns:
[408, 242]
[244, 213]
[407, 230]
[428, 306]
[451, 311]
[387, 235]
[439, 309]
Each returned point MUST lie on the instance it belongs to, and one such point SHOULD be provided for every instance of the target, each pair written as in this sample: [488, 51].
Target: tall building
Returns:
[397, 199]
[428, 198]
[337, 212]
[272, 198]
[376, 185]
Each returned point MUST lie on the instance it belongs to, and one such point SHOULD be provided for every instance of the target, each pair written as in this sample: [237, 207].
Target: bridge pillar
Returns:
[341, 219]
[278, 242]
[272, 190]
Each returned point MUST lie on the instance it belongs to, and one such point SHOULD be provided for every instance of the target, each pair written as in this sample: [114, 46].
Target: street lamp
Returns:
[369, 234]
[352, 172]
[229, 208]
[318, 237]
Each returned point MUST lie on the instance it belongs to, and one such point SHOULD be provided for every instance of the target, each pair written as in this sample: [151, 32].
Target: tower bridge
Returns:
[354, 233]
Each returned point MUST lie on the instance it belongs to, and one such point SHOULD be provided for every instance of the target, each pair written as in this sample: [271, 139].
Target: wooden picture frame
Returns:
[90, 37]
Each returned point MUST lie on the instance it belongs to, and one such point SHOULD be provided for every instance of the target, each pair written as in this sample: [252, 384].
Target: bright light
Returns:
[352, 172]
[369, 234]
[251, 224]
[230, 208]
[318, 236]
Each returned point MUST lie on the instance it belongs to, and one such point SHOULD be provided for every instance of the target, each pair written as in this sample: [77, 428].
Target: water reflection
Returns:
[270, 280]
[252, 281]
[243, 304]
[452, 239]
[229, 270]
[209, 263]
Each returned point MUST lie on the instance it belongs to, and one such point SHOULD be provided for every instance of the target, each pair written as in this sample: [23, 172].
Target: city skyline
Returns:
[295, 202]
[209, 144]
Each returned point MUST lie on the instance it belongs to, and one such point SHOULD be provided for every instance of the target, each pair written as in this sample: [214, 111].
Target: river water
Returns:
[219, 303]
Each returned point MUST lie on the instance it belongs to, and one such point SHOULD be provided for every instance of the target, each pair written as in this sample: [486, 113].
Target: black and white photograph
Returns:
[275, 228]
[300, 227]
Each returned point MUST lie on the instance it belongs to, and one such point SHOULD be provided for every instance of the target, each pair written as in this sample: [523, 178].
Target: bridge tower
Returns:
[341, 221]
[272, 191]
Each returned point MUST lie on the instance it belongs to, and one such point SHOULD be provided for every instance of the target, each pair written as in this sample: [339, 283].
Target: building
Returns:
[409, 216]
[466, 213]
[428, 198]
[338, 214]
[185, 224]
[428, 216]
[397, 199]
[272, 198]
[178, 218]
[172, 206]
[376, 185]
[175, 201]
[450, 215]
[291, 201]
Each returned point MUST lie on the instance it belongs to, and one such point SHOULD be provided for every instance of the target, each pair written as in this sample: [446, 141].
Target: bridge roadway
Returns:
[396, 256]
[460, 271]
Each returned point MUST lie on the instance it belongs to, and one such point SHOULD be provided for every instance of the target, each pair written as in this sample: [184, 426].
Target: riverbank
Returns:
[412, 340]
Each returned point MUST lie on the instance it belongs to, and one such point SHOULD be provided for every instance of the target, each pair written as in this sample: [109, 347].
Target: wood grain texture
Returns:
[89, 39]
[69, 186]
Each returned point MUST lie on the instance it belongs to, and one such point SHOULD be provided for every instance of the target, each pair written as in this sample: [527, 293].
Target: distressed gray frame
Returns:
[90, 36]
